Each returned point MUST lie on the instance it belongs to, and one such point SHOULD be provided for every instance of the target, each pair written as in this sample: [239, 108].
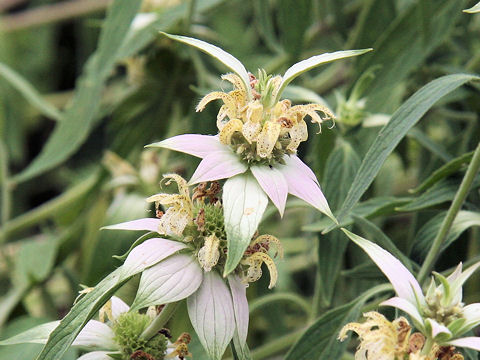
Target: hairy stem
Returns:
[450, 217]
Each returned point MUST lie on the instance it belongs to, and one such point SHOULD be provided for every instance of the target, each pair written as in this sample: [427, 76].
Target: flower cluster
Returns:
[440, 315]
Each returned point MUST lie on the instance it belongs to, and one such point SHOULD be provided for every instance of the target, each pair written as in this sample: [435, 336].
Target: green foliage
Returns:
[74, 91]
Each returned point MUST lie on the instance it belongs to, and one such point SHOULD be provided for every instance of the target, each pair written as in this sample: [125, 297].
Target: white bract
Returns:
[103, 338]
[440, 314]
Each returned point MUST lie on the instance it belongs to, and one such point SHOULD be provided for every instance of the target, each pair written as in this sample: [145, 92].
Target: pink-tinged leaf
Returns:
[96, 355]
[211, 312]
[404, 283]
[240, 307]
[302, 185]
[218, 165]
[96, 335]
[118, 307]
[273, 183]
[406, 306]
[454, 276]
[172, 279]
[456, 285]
[149, 253]
[471, 342]
[435, 328]
[193, 144]
[294, 161]
[146, 224]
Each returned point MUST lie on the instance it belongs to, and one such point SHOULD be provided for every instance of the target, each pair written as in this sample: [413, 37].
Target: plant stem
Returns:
[50, 208]
[159, 322]
[283, 297]
[6, 190]
[450, 217]
[53, 13]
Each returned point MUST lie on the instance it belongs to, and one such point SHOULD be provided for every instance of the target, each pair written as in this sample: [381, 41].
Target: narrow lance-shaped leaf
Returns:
[29, 92]
[244, 203]
[314, 61]
[70, 133]
[221, 55]
[392, 133]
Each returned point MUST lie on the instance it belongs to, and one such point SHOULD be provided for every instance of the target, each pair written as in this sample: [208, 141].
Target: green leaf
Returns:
[314, 61]
[444, 171]
[392, 133]
[244, 203]
[138, 39]
[439, 193]
[298, 15]
[30, 93]
[37, 335]
[405, 32]
[473, 9]
[70, 133]
[221, 55]
[320, 340]
[379, 206]
[342, 165]
[430, 145]
[374, 232]
[30, 268]
[85, 308]
[426, 235]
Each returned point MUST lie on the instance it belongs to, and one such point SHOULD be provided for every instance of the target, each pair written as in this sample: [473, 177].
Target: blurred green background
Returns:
[80, 97]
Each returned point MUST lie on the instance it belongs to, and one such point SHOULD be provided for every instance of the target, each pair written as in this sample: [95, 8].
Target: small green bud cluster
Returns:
[440, 305]
[248, 151]
[127, 329]
[214, 221]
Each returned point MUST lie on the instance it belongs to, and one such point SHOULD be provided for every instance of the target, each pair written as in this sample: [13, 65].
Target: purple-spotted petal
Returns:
[406, 306]
[149, 253]
[211, 312]
[96, 334]
[403, 282]
[471, 342]
[240, 307]
[172, 279]
[436, 328]
[193, 144]
[147, 224]
[302, 185]
[118, 307]
[273, 183]
[218, 165]
[96, 355]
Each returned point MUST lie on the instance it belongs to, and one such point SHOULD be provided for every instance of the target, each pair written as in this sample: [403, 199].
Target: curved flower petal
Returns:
[471, 342]
[218, 165]
[96, 355]
[193, 144]
[147, 224]
[436, 328]
[302, 185]
[118, 307]
[273, 183]
[404, 283]
[96, 334]
[172, 279]
[149, 253]
[211, 312]
[294, 161]
[406, 306]
[240, 307]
